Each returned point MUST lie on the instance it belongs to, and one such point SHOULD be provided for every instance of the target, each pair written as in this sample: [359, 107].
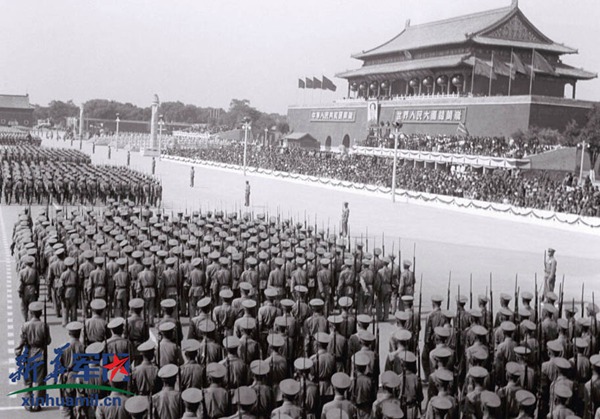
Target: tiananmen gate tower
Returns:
[492, 73]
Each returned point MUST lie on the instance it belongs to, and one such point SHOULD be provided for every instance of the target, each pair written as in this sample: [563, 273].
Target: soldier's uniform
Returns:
[191, 373]
[67, 288]
[29, 285]
[144, 375]
[166, 404]
[96, 329]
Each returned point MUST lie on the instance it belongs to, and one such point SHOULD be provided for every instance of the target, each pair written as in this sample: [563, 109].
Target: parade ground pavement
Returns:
[465, 245]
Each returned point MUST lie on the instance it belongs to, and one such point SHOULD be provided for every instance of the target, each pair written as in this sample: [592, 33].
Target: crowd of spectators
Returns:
[481, 146]
[523, 189]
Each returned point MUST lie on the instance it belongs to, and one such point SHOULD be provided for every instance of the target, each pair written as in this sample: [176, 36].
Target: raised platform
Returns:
[348, 121]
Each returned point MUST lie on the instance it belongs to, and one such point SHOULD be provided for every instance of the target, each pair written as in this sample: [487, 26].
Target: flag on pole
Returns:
[301, 84]
[316, 83]
[540, 64]
[517, 65]
[503, 69]
[482, 68]
[309, 83]
[328, 84]
[461, 130]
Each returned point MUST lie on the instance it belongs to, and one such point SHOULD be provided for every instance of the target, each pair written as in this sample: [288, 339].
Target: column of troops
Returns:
[30, 175]
[14, 137]
[284, 321]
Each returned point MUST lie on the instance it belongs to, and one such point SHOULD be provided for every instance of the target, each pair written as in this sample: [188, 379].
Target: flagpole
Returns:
[510, 75]
[473, 74]
[491, 73]
[531, 74]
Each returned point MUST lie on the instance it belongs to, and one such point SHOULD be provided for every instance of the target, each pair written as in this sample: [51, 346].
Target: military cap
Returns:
[482, 299]
[73, 326]
[595, 360]
[402, 335]
[147, 262]
[449, 314]
[316, 303]
[247, 323]
[191, 395]
[364, 319]
[168, 371]
[324, 261]
[551, 250]
[407, 298]
[402, 316]
[525, 398]
[336, 413]
[478, 330]
[122, 261]
[166, 327]
[146, 346]
[275, 340]
[322, 337]
[528, 324]
[287, 303]
[251, 261]
[441, 353]
[527, 296]
[259, 367]
[231, 342]
[170, 261]
[490, 399]
[188, 253]
[335, 319]
[301, 289]
[386, 260]
[203, 302]
[390, 379]
[300, 260]
[137, 254]
[551, 296]
[513, 369]
[309, 256]
[60, 251]
[461, 299]
[224, 261]
[196, 262]
[475, 313]
[360, 359]
[366, 336]
[163, 254]
[116, 322]
[216, 370]
[345, 302]
[505, 312]
[571, 308]
[592, 309]
[563, 324]
[550, 308]
[522, 350]
[94, 348]
[88, 254]
[478, 372]
[480, 355]
[581, 343]
[248, 303]
[207, 326]
[505, 297]
[442, 332]
[437, 298]
[349, 262]
[98, 304]
[69, 261]
[562, 391]
[561, 363]
[136, 405]
[303, 364]
[168, 303]
[136, 303]
[508, 326]
[129, 249]
[290, 387]
[190, 345]
[441, 404]
[555, 346]
[226, 294]
[444, 375]
[340, 380]
[407, 357]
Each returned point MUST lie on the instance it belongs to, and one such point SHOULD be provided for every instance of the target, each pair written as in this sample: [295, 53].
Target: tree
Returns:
[590, 133]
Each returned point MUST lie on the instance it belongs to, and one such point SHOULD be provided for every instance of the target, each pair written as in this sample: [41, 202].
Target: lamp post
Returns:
[398, 126]
[117, 131]
[246, 126]
[583, 146]
[161, 124]
[80, 126]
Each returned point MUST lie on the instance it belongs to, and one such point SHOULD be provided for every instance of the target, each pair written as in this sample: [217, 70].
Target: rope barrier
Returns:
[517, 211]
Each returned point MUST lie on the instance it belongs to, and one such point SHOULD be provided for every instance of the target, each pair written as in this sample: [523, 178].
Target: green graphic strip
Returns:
[74, 385]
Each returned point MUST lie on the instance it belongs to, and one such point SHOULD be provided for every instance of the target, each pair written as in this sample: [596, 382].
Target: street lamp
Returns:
[161, 124]
[81, 126]
[117, 131]
[246, 126]
[398, 126]
[583, 147]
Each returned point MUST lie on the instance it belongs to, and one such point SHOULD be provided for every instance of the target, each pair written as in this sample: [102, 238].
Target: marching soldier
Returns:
[67, 289]
[191, 373]
[96, 329]
[166, 404]
[549, 272]
[264, 392]
[144, 375]
[29, 285]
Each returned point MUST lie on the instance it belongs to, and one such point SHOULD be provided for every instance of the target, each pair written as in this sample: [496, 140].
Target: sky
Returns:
[209, 52]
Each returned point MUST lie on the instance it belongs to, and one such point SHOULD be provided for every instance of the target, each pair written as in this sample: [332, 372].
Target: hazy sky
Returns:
[208, 52]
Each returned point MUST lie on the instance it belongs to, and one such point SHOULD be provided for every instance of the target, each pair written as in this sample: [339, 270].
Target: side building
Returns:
[15, 110]
[491, 73]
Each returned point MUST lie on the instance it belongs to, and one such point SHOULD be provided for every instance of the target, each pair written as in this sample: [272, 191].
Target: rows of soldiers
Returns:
[284, 321]
[33, 154]
[70, 183]
[15, 137]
